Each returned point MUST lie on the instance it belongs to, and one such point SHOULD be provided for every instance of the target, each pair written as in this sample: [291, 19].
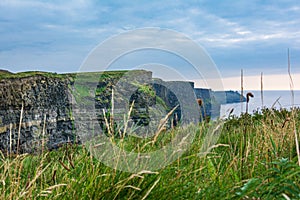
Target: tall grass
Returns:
[260, 163]
[293, 113]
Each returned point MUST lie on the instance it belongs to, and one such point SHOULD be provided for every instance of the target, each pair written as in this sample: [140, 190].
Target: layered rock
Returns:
[48, 109]
[34, 109]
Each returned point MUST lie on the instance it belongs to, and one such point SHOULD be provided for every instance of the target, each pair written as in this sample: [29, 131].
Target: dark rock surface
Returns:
[57, 109]
[44, 102]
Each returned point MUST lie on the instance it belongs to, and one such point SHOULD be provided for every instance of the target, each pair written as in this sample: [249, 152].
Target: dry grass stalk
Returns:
[10, 138]
[242, 88]
[122, 183]
[291, 78]
[261, 90]
[64, 166]
[210, 148]
[200, 102]
[297, 144]
[249, 94]
[148, 192]
[19, 131]
[106, 123]
[285, 121]
[210, 141]
[293, 110]
[49, 190]
[162, 124]
[71, 162]
[276, 101]
[231, 111]
[112, 112]
[40, 171]
[54, 177]
[43, 134]
[128, 118]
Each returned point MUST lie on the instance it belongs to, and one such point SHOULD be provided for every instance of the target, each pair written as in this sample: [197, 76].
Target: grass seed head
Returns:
[249, 94]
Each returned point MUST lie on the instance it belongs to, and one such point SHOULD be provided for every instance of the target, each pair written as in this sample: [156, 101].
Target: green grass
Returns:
[147, 90]
[254, 158]
[6, 75]
[86, 76]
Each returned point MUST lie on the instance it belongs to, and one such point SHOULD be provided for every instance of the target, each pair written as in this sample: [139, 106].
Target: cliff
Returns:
[231, 97]
[47, 108]
[44, 102]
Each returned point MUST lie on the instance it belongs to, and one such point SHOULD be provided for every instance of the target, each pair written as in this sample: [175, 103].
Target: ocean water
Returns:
[277, 99]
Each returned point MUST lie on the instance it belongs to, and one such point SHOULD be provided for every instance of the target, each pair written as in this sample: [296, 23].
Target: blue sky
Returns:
[58, 35]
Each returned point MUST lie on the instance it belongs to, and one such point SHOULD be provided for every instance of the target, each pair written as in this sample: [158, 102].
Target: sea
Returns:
[270, 99]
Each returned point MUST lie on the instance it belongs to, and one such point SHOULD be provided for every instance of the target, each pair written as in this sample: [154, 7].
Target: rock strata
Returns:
[43, 105]
[45, 110]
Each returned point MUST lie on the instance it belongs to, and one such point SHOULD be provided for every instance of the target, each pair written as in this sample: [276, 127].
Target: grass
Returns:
[7, 75]
[254, 158]
[84, 76]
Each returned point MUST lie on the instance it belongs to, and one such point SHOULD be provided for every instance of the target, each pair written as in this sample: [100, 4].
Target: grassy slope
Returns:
[255, 157]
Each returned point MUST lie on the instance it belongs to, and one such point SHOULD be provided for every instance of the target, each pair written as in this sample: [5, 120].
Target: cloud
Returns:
[254, 23]
[242, 34]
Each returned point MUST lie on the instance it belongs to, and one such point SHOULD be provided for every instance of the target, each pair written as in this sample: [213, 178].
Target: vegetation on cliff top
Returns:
[4, 74]
[9, 75]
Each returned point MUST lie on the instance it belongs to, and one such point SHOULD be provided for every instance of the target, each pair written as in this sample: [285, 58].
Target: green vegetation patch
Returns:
[254, 158]
[34, 73]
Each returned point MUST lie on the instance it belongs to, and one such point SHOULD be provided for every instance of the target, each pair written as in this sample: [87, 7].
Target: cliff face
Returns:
[44, 102]
[206, 96]
[180, 94]
[231, 97]
[51, 109]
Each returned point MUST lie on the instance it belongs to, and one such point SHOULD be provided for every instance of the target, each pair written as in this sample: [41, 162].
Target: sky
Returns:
[254, 35]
